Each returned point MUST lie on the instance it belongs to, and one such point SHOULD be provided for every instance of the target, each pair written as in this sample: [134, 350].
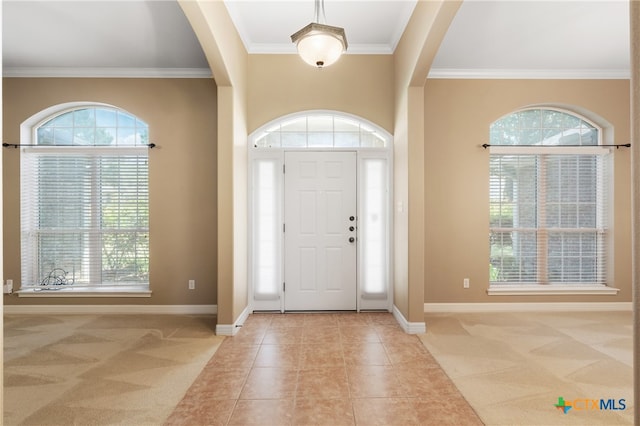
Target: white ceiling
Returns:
[98, 37]
[571, 38]
[372, 26]
[488, 38]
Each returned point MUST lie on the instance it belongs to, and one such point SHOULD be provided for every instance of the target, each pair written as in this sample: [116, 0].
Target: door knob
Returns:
[351, 239]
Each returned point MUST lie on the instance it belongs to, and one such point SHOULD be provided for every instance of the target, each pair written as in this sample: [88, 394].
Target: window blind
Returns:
[548, 218]
[84, 216]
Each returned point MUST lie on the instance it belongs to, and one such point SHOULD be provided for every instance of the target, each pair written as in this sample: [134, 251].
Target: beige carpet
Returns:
[101, 369]
[513, 367]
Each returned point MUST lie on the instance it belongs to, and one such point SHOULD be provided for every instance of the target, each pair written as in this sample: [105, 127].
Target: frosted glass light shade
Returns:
[320, 45]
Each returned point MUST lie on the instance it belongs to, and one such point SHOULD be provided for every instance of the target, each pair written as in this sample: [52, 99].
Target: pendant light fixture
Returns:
[319, 44]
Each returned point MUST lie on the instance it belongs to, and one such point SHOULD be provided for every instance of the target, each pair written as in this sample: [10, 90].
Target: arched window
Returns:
[85, 201]
[320, 129]
[548, 200]
[93, 126]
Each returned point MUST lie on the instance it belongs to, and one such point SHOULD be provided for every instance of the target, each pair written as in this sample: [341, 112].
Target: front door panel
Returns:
[320, 231]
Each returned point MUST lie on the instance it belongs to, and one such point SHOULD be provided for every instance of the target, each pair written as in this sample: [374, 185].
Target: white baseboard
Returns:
[527, 307]
[408, 327]
[232, 329]
[111, 309]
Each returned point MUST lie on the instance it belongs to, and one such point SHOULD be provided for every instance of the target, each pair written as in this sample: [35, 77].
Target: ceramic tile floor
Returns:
[322, 368]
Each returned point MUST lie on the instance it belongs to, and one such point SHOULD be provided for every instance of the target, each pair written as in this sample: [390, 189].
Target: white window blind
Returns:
[85, 203]
[548, 218]
[549, 207]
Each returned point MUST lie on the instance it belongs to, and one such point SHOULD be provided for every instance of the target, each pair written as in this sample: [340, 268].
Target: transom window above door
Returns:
[320, 130]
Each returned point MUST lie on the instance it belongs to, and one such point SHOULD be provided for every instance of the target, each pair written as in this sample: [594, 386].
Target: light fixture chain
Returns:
[320, 44]
[319, 15]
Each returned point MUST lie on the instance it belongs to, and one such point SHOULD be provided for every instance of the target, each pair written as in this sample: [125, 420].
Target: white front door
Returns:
[320, 252]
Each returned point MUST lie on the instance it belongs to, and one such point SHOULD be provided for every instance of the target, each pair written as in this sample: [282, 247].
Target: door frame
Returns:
[274, 157]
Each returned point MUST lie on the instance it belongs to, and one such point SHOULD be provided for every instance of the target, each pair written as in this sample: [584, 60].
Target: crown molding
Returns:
[530, 74]
[105, 72]
[282, 49]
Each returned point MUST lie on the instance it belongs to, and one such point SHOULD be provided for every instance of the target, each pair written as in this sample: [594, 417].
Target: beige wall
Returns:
[412, 60]
[356, 84]
[227, 59]
[181, 114]
[457, 118]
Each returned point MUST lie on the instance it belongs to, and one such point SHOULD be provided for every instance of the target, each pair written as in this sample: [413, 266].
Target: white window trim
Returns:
[87, 291]
[549, 289]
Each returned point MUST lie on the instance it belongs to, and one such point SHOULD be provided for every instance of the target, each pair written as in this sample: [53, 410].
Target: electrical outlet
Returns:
[465, 283]
[8, 287]
[192, 284]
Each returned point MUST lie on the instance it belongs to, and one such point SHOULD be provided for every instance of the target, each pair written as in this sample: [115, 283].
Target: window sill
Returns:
[102, 291]
[547, 290]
